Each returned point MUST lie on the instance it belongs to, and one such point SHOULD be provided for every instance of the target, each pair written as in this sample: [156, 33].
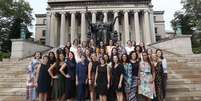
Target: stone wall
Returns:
[23, 48]
[179, 45]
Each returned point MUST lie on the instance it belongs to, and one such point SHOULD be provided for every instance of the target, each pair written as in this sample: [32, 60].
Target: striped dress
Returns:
[130, 82]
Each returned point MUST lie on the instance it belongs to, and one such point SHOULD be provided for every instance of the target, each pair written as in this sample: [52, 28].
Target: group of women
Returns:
[105, 73]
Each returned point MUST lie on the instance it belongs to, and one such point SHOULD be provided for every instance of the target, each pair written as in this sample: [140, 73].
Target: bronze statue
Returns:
[102, 31]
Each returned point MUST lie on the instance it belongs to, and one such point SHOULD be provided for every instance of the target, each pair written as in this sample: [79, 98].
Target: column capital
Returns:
[72, 12]
[116, 11]
[53, 13]
[82, 12]
[62, 12]
[146, 11]
[105, 11]
[126, 11]
[93, 12]
[136, 10]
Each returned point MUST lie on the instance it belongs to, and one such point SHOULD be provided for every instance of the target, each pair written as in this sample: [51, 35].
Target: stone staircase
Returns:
[184, 80]
[13, 80]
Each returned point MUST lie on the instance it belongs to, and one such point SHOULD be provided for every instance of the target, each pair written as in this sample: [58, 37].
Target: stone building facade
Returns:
[66, 20]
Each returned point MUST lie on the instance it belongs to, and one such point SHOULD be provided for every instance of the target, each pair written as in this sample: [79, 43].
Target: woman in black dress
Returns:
[68, 70]
[117, 78]
[43, 79]
[58, 89]
[91, 75]
[102, 79]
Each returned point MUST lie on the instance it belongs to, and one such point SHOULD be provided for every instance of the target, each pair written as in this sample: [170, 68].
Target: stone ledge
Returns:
[24, 48]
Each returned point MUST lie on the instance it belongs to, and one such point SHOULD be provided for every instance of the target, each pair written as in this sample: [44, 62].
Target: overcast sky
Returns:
[169, 6]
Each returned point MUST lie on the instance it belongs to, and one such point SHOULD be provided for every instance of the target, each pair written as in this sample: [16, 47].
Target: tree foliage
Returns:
[189, 17]
[12, 14]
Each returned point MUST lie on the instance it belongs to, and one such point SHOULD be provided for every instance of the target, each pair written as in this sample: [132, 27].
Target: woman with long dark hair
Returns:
[43, 79]
[159, 77]
[52, 57]
[117, 78]
[147, 77]
[68, 70]
[138, 50]
[165, 69]
[102, 79]
[135, 70]
[58, 90]
[128, 79]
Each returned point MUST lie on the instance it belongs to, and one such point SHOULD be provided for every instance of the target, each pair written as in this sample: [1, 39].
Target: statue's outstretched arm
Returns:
[115, 19]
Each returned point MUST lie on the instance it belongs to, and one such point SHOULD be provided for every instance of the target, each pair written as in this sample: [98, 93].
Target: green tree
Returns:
[186, 22]
[189, 17]
[193, 8]
[12, 14]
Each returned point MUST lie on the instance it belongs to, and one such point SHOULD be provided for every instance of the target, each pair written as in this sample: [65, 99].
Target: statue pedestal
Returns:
[22, 48]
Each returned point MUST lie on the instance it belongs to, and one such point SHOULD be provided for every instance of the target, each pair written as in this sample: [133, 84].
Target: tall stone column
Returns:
[116, 25]
[105, 19]
[93, 16]
[126, 26]
[147, 33]
[47, 39]
[137, 26]
[52, 30]
[73, 32]
[62, 29]
[153, 34]
[83, 27]
[67, 37]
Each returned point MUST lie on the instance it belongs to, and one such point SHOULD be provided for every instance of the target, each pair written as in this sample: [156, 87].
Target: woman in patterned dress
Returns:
[159, 78]
[165, 69]
[129, 80]
[147, 77]
[31, 80]
[135, 70]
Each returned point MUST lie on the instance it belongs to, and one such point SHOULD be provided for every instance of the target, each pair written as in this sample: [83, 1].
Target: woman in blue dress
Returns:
[68, 70]
[43, 79]
[81, 78]
[129, 80]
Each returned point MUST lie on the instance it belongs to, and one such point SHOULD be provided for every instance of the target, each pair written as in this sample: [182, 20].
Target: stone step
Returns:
[183, 71]
[183, 81]
[14, 85]
[12, 91]
[179, 76]
[13, 72]
[184, 96]
[183, 88]
[13, 76]
[13, 79]
[11, 98]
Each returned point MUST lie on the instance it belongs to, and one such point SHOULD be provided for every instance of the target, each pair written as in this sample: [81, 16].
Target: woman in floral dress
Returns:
[147, 77]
